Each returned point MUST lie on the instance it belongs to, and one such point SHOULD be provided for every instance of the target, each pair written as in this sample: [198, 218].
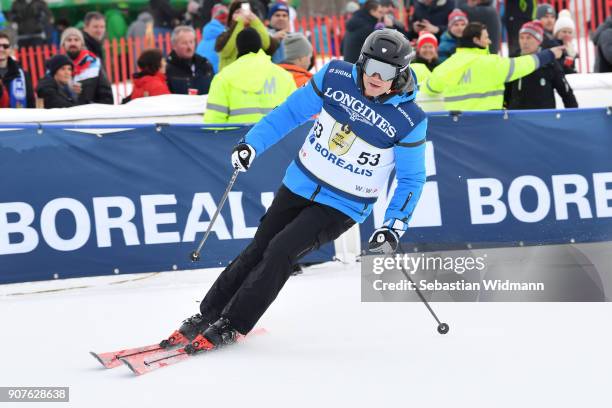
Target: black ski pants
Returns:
[292, 227]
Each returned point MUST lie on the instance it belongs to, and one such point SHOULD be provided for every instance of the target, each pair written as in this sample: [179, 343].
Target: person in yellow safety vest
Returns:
[473, 79]
[248, 88]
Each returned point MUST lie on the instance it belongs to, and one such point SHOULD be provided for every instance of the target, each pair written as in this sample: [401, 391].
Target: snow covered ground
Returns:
[324, 348]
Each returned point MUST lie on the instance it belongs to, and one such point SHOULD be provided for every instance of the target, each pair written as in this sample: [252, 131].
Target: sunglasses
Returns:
[386, 71]
[5, 46]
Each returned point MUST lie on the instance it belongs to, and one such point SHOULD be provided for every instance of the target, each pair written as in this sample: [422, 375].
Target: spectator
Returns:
[537, 90]
[517, 13]
[16, 82]
[431, 16]
[93, 33]
[151, 80]
[55, 89]
[389, 20]
[602, 40]
[278, 27]
[361, 24]
[473, 79]
[116, 21]
[547, 15]
[457, 20]
[292, 13]
[239, 17]
[142, 25]
[427, 56]
[298, 57]
[484, 12]
[194, 16]
[187, 72]
[33, 18]
[241, 94]
[564, 32]
[165, 17]
[210, 32]
[90, 81]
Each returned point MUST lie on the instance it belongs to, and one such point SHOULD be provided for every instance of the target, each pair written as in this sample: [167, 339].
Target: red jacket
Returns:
[4, 99]
[149, 85]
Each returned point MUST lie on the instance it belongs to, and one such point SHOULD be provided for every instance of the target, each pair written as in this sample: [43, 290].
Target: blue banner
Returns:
[512, 178]
[79, 201]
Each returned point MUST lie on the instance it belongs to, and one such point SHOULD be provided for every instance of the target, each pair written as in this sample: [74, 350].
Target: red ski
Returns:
[111, 359]
[147, 362]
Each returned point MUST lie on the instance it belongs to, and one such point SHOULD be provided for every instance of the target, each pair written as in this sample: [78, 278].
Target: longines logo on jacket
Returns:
[357, 110]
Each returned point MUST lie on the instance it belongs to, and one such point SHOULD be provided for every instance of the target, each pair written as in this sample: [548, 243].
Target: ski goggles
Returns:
[386, 71]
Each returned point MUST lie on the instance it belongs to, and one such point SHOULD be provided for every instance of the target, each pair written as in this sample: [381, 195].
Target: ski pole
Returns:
[195, 255]
[442, 327]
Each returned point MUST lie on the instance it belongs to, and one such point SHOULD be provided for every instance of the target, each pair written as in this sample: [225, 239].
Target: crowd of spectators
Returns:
[249, 50]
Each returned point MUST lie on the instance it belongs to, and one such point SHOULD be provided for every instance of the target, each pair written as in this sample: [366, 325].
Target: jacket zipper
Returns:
[312, 197]
[407, 201]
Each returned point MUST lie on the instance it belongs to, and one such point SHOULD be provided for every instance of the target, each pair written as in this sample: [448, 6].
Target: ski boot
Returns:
[218, 334]
[188, 331]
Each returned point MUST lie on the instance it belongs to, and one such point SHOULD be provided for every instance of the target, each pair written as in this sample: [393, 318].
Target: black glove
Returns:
[384, 241]
[242, 156]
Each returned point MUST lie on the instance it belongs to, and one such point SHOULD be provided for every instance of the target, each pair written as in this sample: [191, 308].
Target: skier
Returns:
[368, 125]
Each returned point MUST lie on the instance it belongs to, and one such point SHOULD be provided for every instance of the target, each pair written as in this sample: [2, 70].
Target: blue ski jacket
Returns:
[396, 126]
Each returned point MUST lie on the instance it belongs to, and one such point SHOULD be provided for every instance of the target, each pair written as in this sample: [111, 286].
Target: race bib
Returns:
[340, 158]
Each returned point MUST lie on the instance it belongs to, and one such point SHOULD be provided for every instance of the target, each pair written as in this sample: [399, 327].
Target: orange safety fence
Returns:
[324, 32]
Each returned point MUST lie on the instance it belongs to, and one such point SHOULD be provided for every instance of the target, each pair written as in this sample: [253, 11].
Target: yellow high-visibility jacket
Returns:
[422, 73]
[247, 90]
[473, 79]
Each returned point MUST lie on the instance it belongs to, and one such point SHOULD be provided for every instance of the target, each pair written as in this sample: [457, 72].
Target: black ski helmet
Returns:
[386, 45]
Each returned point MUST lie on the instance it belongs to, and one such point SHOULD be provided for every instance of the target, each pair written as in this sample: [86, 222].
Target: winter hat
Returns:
[544, 9]
[564, 21]
[58, 61]
[220, 12]
[425, 38]
[296, 45]
[277, 7]
[71, 31]
[534, 28]
[248, 41]
[457, 15]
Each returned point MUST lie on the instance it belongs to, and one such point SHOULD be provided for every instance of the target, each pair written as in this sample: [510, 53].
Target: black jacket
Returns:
[32, 18]
[184, 74]
[360, 25]
[14, 70]
[164, 14]
[602, 39]
[436, 13]
[93, 45]
[548, 41]
[537, 90]
[486, 14]
[55, 95]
